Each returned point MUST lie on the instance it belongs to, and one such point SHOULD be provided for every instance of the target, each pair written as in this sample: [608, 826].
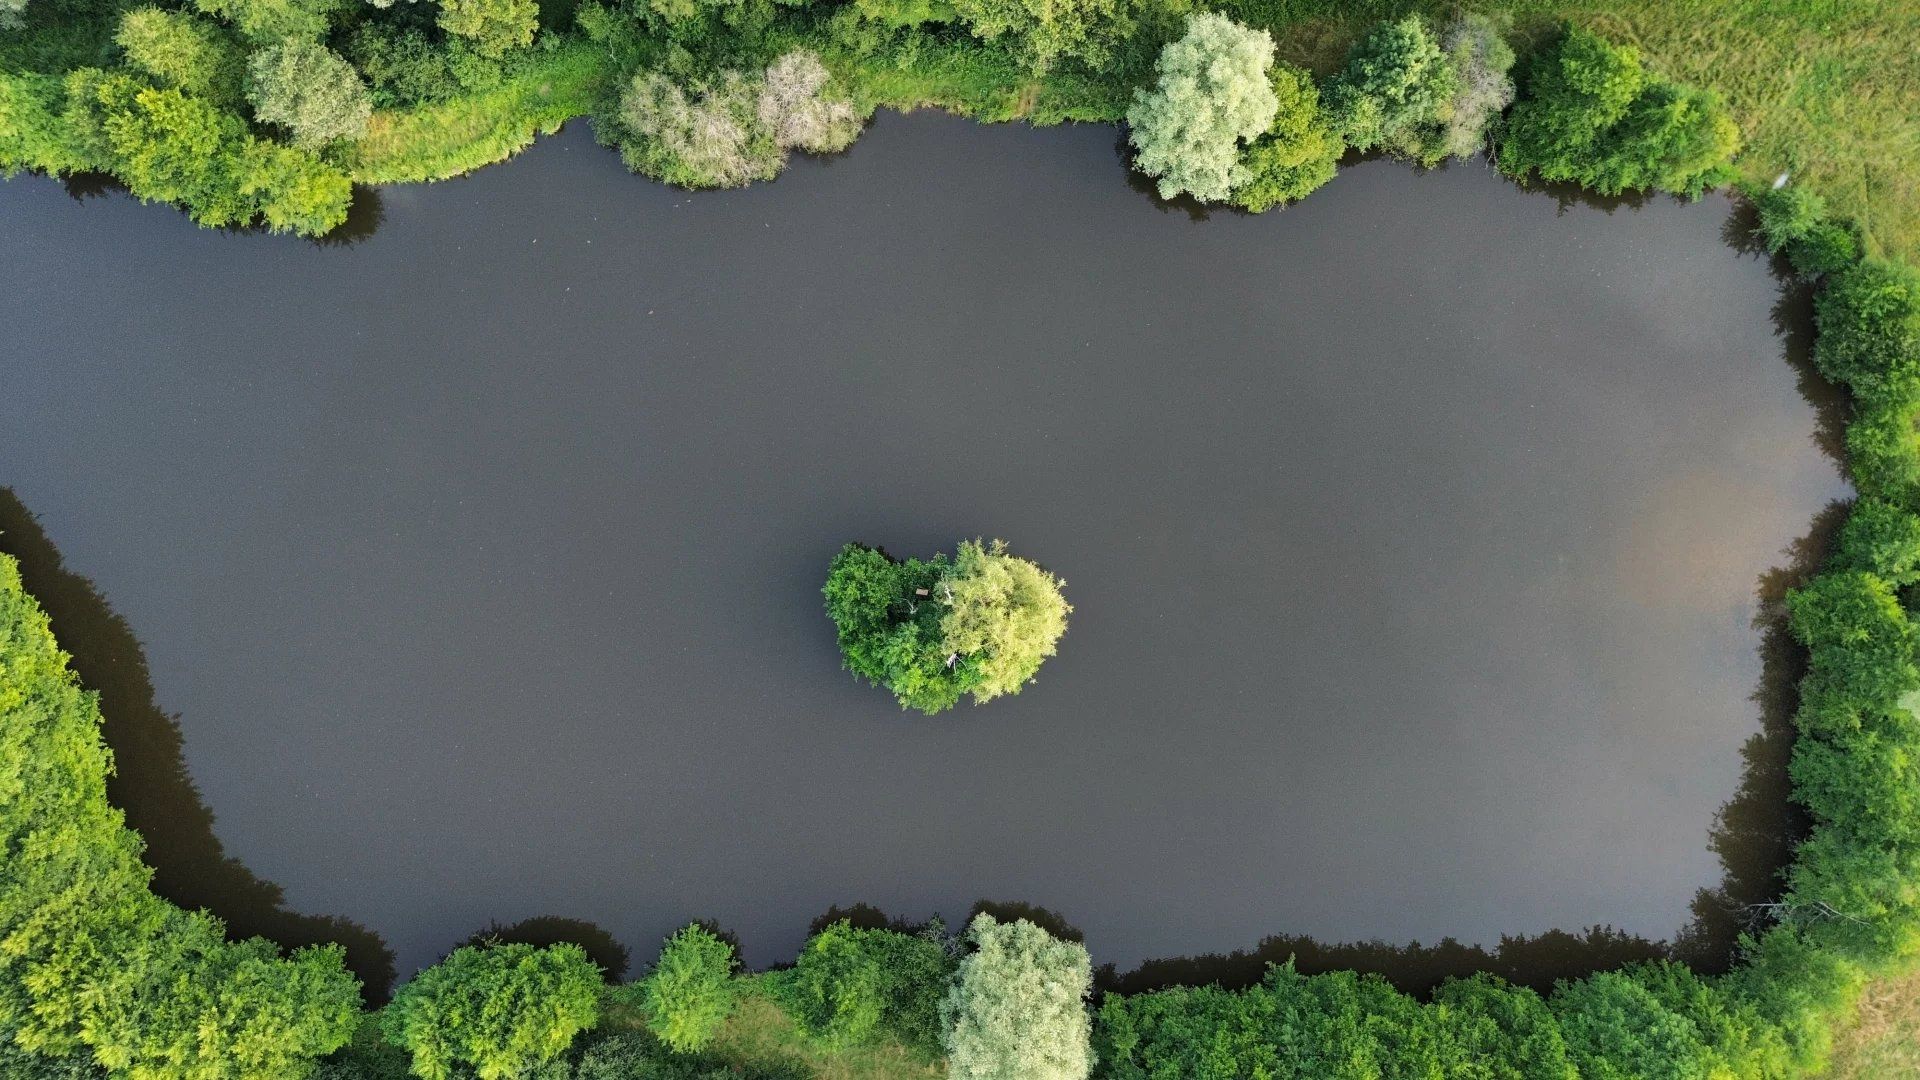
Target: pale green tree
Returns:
[182, 51]
[1211, 96]
[310, 90]
[1004, 617]
[1018, 1009]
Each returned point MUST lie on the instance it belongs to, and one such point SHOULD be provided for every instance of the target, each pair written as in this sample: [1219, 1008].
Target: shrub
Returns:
[1593, 114]
[689, 994]
[1480, 59]
[95, 967]
[1794, 221]
[1040, 33]
[1018, 1009]
[1881, 539]
[1297, 154]
[1882, 455]
[1618, 1030]
[1502, 1032]
[1869, 330]
[1393, 89]
[850, 986]
[932, 630]
[310, 90]
[499, 1011]
[1210, 96]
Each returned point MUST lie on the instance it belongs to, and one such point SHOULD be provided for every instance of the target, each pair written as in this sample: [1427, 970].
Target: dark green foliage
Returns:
[1794, 221]
[1869, 323]
[851, 986]
[1881, 539]
[1882, 455]
[689, 993]
[1392, 92]
[1617, 1029]
[888, 628]
[497, 1011]
[1496, 1031]
[638, 1056]
[95, 966]
[1594, 115]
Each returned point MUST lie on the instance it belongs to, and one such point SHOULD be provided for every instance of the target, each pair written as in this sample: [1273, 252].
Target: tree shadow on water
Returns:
[150, 782]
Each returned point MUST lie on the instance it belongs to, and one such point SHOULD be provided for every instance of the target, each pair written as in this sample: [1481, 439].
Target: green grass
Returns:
[434, 142]
[1884, 1041]
[760, 1033]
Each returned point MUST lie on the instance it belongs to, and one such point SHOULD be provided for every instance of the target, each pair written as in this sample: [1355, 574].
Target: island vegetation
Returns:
[267, 111]
[935, 630]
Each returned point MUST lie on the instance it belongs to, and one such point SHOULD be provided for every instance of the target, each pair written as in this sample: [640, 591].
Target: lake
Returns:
[1421, 540]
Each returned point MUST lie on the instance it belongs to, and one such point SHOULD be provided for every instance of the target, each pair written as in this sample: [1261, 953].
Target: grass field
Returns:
[1884, 1044]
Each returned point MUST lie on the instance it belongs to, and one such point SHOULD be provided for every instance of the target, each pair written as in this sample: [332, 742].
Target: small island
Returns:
[932, 630]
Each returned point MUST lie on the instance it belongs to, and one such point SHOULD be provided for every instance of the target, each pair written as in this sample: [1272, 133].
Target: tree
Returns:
[11, 13]
[797, 110]
[1794, 222]
[734, 128]
[495, 27]
[1040, 33]
[1297, 154]
[1869, 330]
[689, 994]
[1480, 59]
[310, 90]
[182, 52]
[499, 1011]
[1018, 1010]
[1395, 90]
[1881, 539]
[1594, 115]
[850, 986]
[1005, 615]
[1211, 95]
[272, 20]
[1502, 1032]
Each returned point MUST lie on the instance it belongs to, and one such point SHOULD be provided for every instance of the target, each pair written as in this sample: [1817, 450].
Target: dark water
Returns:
[1420, 539]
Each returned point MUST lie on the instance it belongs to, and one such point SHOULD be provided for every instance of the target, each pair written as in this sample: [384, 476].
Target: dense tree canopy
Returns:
[1297, 153]
[932, 631]
[494, 1011]
[1211, 95]
[689, 993]
[310, 90]
[851, 986]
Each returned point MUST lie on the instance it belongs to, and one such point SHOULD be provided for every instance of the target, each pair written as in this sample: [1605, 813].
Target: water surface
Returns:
[1416, 537]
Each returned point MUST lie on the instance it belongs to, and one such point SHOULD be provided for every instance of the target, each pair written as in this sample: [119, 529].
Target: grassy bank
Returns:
[1885, 1040]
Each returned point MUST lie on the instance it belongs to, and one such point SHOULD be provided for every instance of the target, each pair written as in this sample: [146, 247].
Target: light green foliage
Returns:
[1594, 114]
[1211, 94]
[1882, 539]
[272, 20]
[1497, 1031]
[1396, 90]
[1869, 323]
[932, 631]
[1004, 614]
[10, 13]
[183, 52]
[1299, 151]
[494, 1011]
[92, 965]
[1661, 1019]
[689, 993]
[1018, 1009]
[494, 27]
[851, 986]
[735, 128]
[1042, 33]
[1794, 221]
[308, 89]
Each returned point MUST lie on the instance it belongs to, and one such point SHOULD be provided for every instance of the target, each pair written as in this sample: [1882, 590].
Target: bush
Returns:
[310, 90]
[851, 986]
[1299, 151]
[1869, 330]
[1794, 221]
[689, 994]
[1210, 96]
[1018, 1010]
[182, 52]
[931, 631]
[498, 1011]
[96, 968]
[1594, 115]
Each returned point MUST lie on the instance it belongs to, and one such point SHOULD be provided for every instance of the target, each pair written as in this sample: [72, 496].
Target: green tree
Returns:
[850, 986]
[689, 993]
[182, 52]
[1593, 114]
[1018, 1009]
[1882, 539]
[310, 90]
[1004, 616]
[498, 1010]
[495, 27]
[1299, 151]
[1211, 95]
[1501, 1031]
[1480, 59]
[272, 20]
[1395, 91]
[1869, 330]
[1794, 221]
[1041, 33]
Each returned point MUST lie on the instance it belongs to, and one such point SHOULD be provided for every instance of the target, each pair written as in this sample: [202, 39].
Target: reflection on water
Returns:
[150, 781]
